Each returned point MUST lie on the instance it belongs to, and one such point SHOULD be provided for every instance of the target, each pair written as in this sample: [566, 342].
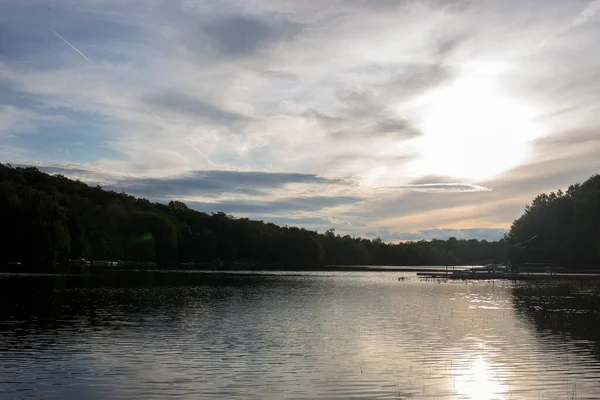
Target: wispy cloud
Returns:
[16, 120]
[261, 208]
[441, 234]
[190, 106]
[440, 187]
[206, 183]
[337, 221]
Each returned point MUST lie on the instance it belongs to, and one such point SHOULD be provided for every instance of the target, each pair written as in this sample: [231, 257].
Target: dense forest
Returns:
[50, 219]
[561, 228]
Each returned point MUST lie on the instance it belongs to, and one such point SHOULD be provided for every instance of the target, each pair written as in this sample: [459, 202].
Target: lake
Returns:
[335, 335]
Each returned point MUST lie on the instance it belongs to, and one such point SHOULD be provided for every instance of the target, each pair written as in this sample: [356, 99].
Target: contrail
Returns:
[70, 45]
[201, 153]
[589, 12]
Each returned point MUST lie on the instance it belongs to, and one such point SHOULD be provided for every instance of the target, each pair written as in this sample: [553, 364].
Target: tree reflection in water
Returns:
[569, 310]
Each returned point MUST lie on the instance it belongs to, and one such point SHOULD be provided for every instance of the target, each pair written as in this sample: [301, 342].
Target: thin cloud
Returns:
[195, 183]
[70, 45]
[440, 187]
[439, 233]
[241, 35]
[190, 106]
[337, 221]
[15, 120]
[273, 208]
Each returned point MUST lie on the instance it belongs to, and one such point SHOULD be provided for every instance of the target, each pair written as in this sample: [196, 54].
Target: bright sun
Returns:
[472, 130]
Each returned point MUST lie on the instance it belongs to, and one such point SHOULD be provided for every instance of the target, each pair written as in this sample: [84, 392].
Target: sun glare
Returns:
[472, 130]
[478, 382]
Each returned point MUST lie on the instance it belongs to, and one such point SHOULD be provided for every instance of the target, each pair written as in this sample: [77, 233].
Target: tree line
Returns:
[561, 228]
[50, 219]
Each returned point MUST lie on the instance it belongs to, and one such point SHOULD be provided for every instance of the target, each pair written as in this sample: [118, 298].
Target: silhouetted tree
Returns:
[49, 219]
[560, 227]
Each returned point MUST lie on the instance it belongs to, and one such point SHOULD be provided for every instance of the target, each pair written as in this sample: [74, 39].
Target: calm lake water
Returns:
[341, 335]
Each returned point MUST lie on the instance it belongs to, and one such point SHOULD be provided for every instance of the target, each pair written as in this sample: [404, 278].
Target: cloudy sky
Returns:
[403, 119]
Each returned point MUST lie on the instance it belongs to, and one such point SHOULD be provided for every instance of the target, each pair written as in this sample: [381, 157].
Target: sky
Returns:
[401, 119]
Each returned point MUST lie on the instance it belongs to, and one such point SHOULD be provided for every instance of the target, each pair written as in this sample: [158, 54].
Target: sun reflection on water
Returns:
[478, 379]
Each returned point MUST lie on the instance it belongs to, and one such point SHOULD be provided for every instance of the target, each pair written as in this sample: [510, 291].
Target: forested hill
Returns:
[48, 219]
[561, 228]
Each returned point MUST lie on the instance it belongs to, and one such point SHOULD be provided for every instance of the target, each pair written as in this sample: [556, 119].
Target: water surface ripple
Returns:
[340, 335]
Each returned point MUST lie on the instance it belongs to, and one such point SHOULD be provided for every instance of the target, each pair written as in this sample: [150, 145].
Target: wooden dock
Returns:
[485, 275]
